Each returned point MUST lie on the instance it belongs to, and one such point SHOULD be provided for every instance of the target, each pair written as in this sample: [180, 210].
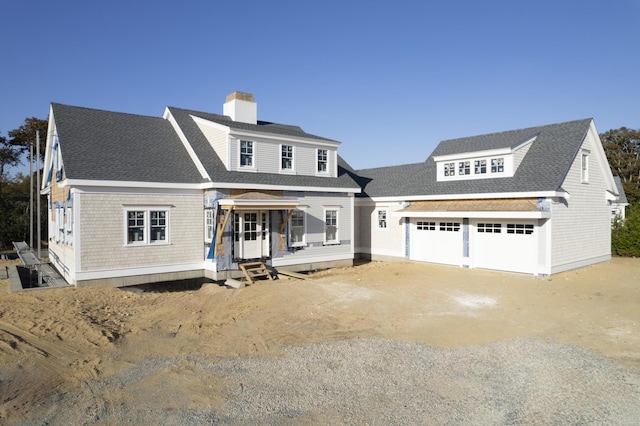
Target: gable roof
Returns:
[542, 169]
[113, 146]
[105, 145]
[219, 173]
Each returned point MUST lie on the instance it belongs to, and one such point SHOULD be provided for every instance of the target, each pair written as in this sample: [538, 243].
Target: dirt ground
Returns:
[54, 341]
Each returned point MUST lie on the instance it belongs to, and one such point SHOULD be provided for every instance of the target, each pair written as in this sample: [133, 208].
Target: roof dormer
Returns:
[485, 164]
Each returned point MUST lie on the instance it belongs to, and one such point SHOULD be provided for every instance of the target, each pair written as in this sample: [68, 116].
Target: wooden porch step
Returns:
[254, 270]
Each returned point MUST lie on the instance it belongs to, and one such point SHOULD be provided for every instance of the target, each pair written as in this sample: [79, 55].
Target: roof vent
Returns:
[241, 107]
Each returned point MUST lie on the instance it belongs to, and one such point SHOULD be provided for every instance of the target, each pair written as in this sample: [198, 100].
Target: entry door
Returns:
[253, 240]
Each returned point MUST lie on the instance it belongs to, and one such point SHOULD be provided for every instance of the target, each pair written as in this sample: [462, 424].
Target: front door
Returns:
[252, 234]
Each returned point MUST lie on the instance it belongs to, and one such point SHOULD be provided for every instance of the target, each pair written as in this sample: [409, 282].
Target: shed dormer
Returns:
[492, 163]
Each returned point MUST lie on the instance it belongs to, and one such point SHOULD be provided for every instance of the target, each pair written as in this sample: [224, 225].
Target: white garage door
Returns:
[437, 241]
[506, 246]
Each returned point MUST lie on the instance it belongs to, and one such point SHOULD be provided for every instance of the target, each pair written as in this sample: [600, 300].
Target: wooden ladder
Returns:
[254, 269]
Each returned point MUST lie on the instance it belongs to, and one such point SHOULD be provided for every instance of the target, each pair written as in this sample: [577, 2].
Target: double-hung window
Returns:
[480, 166]
[296, 229]
[497, 165]
[209, 224]
[382, 219]
[322, 161]
[246, 154]
[584, 167]
[331, 226]
[286, 159]
[449, 169]
[147, 226]
[464, 168]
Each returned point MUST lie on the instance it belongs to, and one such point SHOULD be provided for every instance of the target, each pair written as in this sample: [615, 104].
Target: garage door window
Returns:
[426, 226]
[519, 228]
[490, 228]
[450, 226]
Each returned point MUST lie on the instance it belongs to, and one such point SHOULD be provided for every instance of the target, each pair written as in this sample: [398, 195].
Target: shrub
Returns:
[625, 237]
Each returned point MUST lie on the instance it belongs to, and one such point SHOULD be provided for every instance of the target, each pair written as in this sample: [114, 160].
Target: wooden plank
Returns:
[293, 274]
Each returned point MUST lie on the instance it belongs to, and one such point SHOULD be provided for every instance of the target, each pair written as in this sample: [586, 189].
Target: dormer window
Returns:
[464, 168]
[286, 159]
[246, 153]
[449, 169]
[480, 167]
[322, 161]
[497, 165]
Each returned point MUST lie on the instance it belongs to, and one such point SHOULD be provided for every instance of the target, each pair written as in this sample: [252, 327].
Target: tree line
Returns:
[622, 147]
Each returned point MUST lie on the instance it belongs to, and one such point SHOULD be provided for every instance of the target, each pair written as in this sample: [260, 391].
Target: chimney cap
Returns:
[241, 96]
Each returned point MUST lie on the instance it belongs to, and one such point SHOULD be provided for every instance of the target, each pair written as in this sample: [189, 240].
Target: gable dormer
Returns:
[482, 164]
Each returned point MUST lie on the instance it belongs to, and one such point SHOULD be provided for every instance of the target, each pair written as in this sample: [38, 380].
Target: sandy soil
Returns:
[54, 341]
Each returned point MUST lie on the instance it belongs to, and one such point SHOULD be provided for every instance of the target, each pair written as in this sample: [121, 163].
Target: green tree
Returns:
[9, 156]
[26, 134]
[622, 147]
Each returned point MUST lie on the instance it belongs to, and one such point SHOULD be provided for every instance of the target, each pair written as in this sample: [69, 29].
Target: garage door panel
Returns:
[436, 240]
[506, 246]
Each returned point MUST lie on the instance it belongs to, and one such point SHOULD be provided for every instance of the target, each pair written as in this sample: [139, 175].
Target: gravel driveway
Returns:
[525, 380]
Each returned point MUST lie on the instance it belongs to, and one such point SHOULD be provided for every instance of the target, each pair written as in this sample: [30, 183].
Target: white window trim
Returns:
[386, 219]
[326, 171]
[584, 166]
[209, 211]
[254, 156]
[146, 241]
[324, 217]
[293, 159]
[302, 243]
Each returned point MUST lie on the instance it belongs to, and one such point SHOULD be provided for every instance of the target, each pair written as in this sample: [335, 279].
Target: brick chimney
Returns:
[241, 107]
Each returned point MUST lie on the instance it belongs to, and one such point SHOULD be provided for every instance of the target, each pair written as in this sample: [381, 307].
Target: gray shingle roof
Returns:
[105, 145]
[622, 196]
[219, 173]
[542, 169]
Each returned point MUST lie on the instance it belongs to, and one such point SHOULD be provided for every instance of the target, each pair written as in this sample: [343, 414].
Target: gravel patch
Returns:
[379, 382]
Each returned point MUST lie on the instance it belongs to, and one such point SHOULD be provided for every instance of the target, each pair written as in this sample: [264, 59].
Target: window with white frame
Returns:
[382, 219]
[322, 161]
[209, 224]
[497, 165]
[296, 229]
[584, 167]
[450, 226]
[519, 228]
[246, 153]
[286, 159]
[449, 169]
[331, 226]
[490, 228]
[464, 168]
[147, 226]
[480, 166]
[425, 226]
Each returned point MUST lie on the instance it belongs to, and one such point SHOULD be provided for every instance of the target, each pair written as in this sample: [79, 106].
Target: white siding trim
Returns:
[543, 194]
[196, 161]
[126, 272]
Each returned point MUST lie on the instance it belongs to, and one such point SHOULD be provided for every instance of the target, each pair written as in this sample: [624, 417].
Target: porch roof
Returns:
[259, 201]
[491, 208]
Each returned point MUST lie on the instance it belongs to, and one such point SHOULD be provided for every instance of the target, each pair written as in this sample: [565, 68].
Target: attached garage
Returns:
[500, 234]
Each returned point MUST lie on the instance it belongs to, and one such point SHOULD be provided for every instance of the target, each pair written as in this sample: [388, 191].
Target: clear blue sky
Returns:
[387, 79]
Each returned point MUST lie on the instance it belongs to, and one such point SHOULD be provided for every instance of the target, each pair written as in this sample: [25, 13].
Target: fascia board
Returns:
[187, 145]
[543, 194]
[282, 138]
[221, 185]
[212, 124]
[473, 154]
[128, 184]
[205, 185]
[476, 214]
